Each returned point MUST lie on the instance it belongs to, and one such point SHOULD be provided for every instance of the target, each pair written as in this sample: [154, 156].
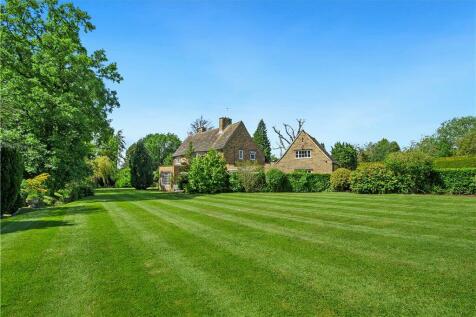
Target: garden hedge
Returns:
[308, 182]
[455, 162]
[456, 181]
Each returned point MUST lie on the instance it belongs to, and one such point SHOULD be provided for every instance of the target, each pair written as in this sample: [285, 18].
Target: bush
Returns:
[455, 162]
[277, 181]
[413, 170]
[251, 177]
[307, 182]
[235, 183]
[208, 174]
[140, 164]
[34, 190]
[345, 154]
[373, 178]
[123, 178]
[75, 190]
[182, 180]
[455, 181]
[11, 178]
[340, 180]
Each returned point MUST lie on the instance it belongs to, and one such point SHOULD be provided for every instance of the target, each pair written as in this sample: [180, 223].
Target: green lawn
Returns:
[130, 253]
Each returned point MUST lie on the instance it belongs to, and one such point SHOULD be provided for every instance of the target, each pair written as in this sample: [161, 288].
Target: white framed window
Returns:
[303, 154]
[241, 154]
[253, 155]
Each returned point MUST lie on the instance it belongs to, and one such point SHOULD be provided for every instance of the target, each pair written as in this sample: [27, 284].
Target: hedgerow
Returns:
[456, 181]
[307, 182]
[455, 162]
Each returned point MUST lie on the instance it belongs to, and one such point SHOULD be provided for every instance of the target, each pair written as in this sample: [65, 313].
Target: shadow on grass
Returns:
[15, 226]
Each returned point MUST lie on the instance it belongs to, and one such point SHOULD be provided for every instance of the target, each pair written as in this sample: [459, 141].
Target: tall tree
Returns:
[377, 152]
[161, 147]
[200, 123]
[261, 139]
[53, 92]
[290, 134]
[11, 176]
[141, 167]
[345, 154]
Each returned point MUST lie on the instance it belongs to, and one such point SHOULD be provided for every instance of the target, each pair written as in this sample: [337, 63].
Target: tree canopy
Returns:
[377, 152]
[141, 167]
[54, 97]
[261, 139]
[345, 154]
[160, 147]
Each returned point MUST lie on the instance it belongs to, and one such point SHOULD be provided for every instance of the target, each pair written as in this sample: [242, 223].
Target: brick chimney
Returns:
[223, 122]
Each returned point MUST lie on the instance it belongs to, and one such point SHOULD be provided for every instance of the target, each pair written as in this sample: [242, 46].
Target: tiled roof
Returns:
[211, 139]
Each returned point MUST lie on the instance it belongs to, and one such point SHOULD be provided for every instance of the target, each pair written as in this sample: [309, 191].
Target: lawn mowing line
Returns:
[349, 247]
[311, 274]
[414, 199]
[462, 243]
[327, 210]
[206, 283]
[413, 208]
[30, 273]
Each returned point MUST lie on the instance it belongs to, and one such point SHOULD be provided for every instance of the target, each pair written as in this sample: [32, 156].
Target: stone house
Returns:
[306, 154]
[232, 140]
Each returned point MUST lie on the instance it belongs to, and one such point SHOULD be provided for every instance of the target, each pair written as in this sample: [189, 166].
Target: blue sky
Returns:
[357, 71]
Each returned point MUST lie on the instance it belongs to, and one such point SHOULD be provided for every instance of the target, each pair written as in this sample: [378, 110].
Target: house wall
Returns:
[241, 140]
[317, 163]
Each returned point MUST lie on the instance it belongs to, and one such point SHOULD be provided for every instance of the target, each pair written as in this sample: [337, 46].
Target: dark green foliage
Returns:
[340, 180]
[75, 190]
[123, 178]
[277, 181]
[235, 183]
[182, 180]
[373, 178]
[11, 177]
[307, 182]
[161, 146]
[261, 139]
[55, 101]
[377, 152]
[140, 164]
[455, 162]
[345, 154]
[208, 174]
[456, 181]
[413, 170]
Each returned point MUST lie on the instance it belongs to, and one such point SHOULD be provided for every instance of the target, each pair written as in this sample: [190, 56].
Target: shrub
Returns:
[251, 177]
[340, 180]
[75, 190]
[11, 178]
[413, 170]
[307, 182]
[277, 181]
[123, 178]
[373, 178]
[455, 162]
[345, 154]
[141, 167]
[182, 180]
[208, 174]
[34, 190]
[235, 183]
[455, 181]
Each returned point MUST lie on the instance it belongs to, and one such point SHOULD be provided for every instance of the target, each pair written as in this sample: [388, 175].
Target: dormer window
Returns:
[241, 154]
[253, 155]
[303, 154]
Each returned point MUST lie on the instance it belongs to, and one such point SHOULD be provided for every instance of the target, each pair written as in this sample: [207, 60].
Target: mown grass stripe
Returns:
[357, 215]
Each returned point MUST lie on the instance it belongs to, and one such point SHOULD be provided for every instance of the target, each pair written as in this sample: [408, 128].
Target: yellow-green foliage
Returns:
[340, 180]
[455, 162]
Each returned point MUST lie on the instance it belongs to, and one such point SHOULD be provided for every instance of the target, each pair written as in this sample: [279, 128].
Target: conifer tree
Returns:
[141, 167]
[261, 139]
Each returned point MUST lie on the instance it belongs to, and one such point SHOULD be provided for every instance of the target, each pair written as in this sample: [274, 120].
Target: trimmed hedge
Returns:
[277, 181]
[455, 162]
[456, 181]
[302, 182]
